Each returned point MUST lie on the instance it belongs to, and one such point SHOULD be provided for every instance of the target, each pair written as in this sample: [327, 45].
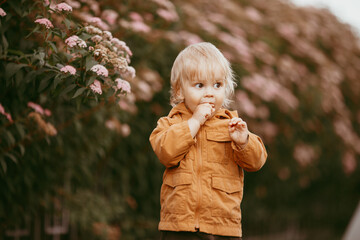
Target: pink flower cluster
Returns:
[304, 154]
[100, 70]
[123, 85]
[74, 4]
[2, 12]
[114, 124]
[130, 72]
[349, 162]
[121, 45]
[110, 16]
[137, 24]
[39, 109]
[253, 14]
[170, 16]
[125, 130]
[270, 90]
[45, 21]
[97, 22]
[68, 69]
[167, 10]
[188, 37]
[7, 115]
[96, 38]
[63, 7]
[344, 129]
[96, 87]
[240, 44]
[75, 40]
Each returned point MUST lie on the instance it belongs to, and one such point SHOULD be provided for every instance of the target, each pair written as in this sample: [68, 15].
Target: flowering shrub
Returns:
[298, 90]
[44, 21]
[2, 12]
[62, 81]
[71, 63]
[68, 69]
[69, 100]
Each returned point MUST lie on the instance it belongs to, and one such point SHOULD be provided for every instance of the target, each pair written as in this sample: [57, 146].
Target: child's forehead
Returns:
[206, 79]
[211, 74]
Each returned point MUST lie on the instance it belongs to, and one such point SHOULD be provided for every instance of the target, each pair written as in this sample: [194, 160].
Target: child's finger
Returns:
[242, 125]
[234, 121]
[232, 129]
[232, 124]
[238, 123]
[209, 109]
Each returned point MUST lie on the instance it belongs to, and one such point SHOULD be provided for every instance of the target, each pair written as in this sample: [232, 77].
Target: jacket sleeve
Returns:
[251, 157]
[171, 142]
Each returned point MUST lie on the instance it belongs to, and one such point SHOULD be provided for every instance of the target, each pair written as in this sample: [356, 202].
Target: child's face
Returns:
[200, 91]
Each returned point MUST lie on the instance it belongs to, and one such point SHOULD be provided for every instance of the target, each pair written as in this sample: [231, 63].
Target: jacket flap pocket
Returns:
[227, 184]
[218, 136]
[177, 179]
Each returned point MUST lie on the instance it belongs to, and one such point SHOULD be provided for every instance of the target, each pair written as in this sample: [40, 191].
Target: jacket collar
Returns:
[186, 114]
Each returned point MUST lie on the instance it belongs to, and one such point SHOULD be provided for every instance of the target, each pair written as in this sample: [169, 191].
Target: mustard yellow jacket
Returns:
[203, 182]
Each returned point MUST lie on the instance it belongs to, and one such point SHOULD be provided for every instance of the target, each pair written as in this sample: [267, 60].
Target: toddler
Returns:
[205, 149]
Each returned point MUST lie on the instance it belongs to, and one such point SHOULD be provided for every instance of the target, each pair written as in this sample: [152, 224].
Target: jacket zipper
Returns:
[199, 142]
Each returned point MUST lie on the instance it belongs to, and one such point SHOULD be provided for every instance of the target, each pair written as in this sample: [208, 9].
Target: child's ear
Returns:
[179, 95]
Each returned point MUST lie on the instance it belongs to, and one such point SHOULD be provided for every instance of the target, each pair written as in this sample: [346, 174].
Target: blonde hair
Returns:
[200, 61]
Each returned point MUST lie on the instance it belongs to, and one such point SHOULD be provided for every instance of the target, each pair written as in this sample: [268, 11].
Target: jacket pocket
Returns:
[219, 147]
[175, 192]
[226, 197]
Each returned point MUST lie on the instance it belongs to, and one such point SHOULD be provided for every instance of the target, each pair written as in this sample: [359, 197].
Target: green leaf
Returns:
[19, 77]
[48, 140]
[67, 23]
[63, 34]
[9, 138]
[45, 81]
[57, 79]
[40, 56]
[5, 44]
[109, 93]
[57, 33]
[16, 52]
[43, 84]
[12, 68]
[78, 92]
[30, 76]
[68, 89]
[85, 36]
[22, 149]
[37, 27]
[12, 157]
[20, 129]
[52, 45]
[90, 80]
[3, 164]
[90, 62]
[78, 104]
[16, 7]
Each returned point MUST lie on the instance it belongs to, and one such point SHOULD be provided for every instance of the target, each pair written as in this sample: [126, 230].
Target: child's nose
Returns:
[209, 92]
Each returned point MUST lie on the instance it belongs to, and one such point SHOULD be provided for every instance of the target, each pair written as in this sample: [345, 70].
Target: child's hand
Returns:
[238, 131]
[203, 112]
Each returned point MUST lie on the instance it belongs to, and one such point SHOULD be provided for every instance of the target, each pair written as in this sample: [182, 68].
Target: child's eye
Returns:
[217, 85]
[199, 85]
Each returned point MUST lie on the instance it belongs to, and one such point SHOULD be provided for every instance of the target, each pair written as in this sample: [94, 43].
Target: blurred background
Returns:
[94, 174]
